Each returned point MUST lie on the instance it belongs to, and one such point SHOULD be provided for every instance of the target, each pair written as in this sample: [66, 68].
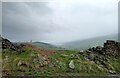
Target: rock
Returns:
[108, 66]
[86, 59]
[81, 51]
[112, 48]
[109, 48]
[100, 67]
[112, 72]
[92, 62]
[91, 56]
[91, 49]
[42, 61]
[36, 60]
[21, 63]
[45, 63]
[71, 64]
[6, 44]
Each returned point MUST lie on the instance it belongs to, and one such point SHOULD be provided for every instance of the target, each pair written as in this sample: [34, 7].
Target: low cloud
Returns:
[58, 22]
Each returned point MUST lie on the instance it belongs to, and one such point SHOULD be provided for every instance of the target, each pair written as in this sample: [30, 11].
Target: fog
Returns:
[57, 22]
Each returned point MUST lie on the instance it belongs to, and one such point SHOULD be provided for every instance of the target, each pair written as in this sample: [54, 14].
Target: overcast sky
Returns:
[61, 21]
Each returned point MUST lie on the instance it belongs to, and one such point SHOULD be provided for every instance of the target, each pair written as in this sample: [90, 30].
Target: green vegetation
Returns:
[116, 64]
[27, 59]
[32, 62]
[82, 67]
[44, 45]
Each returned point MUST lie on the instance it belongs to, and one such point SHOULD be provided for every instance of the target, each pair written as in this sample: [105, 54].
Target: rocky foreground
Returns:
[26, 59]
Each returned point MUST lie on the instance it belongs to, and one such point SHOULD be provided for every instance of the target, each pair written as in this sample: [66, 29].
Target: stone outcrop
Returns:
[6, 44]
[109, 48]
[101, 55]
[112, 48]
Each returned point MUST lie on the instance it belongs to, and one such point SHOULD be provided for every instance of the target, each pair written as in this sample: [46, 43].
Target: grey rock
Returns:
[71, 64]
[112, 72]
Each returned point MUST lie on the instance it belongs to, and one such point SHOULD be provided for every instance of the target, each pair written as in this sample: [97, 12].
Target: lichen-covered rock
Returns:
[71, 64]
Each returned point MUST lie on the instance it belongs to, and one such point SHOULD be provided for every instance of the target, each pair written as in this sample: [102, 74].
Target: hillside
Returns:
[44, 45]
[87, 43]
[30, 60]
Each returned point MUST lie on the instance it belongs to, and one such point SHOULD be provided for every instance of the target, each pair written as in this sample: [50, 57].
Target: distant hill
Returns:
[44, 45]
[87, 43]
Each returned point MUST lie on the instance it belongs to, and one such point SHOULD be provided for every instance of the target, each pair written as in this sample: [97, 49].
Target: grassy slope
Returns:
[82, 67]
[87, 43]
[44, 45]
[57, 66]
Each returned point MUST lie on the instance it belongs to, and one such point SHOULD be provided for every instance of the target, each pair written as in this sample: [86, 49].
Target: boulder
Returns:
[7, 44]
[71, 64]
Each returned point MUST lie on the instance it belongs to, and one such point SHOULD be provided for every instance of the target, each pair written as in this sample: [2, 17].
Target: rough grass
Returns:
[59, 60]
[82, 67]
[116, 64]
